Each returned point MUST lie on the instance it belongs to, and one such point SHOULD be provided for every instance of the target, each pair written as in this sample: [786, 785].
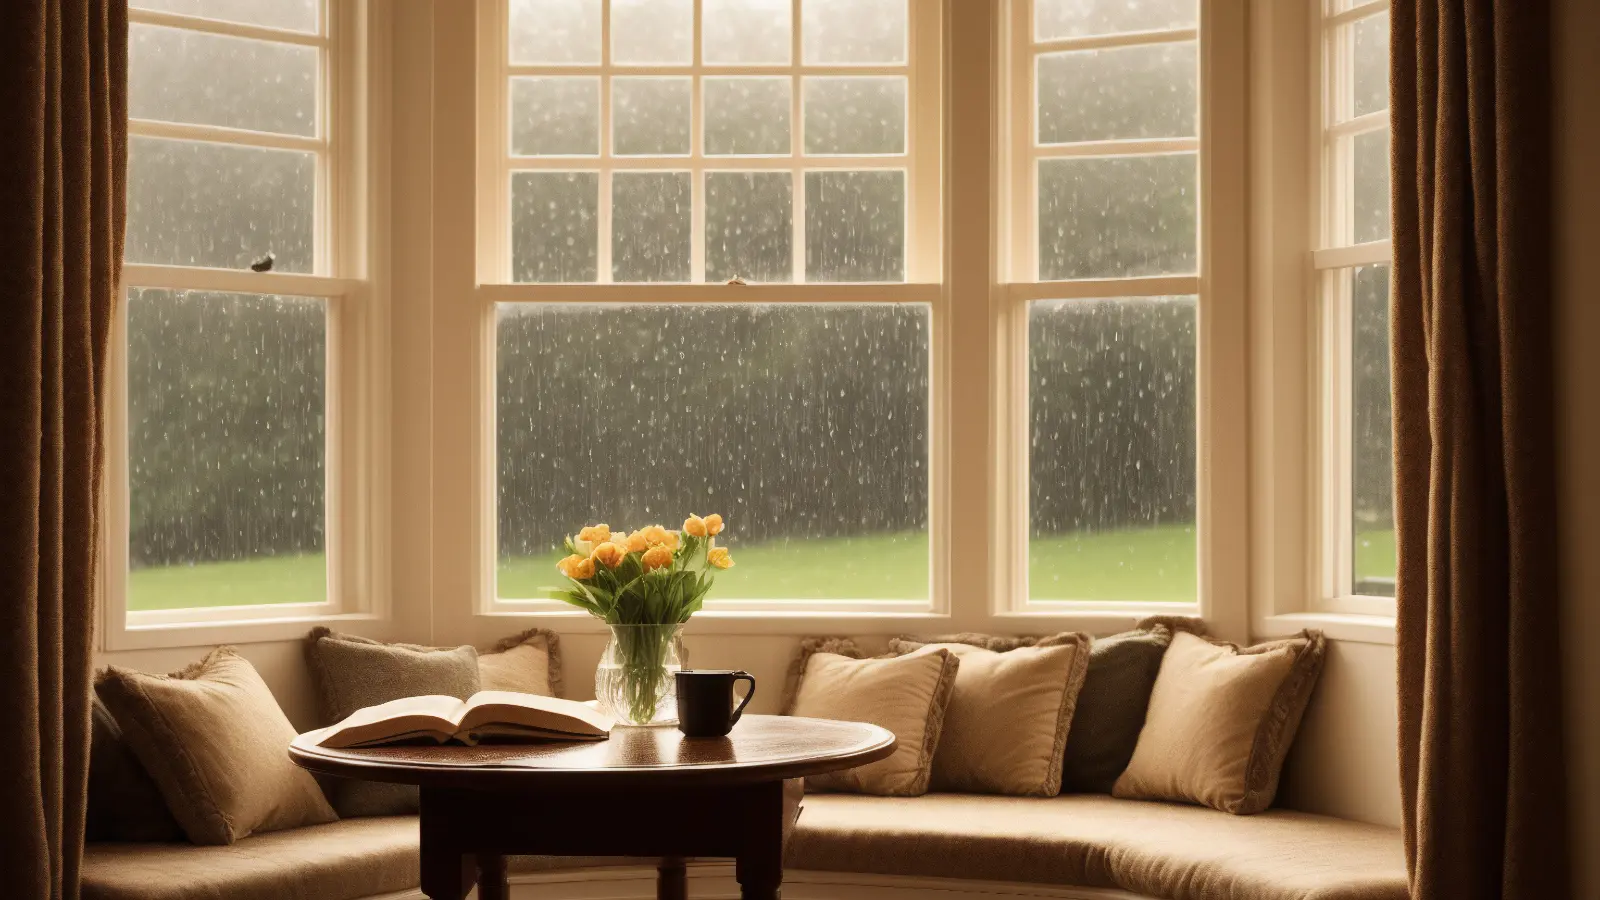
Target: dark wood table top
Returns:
[760, 749]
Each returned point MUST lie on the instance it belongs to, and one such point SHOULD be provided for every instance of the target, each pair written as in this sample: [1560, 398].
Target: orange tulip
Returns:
[714, 524]
[694, 526]
[597, 534]
[636, 543]
[609, 555]
[657, 557]
[719, 557]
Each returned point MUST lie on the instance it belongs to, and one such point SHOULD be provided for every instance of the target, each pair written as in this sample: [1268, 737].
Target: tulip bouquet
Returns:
[645, 584]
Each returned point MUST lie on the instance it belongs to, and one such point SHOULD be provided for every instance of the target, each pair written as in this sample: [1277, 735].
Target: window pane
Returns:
[1112, 450]
[555, 116]
[225, 449]
[855, 115]
[749, 218]
[206, 79]
[1371, 213]
[555, 32]
[201, 204]
[855, 226]
[747, 116]
[806, 427]
[650, 226]
[1117, 218]
[652, 31]
[854, 31]
[296, 15]
[650, 116]
[1074, 18]
[1130, 92]
[1371, 69]
[1372, 449]
[746, 31]
[555, 226]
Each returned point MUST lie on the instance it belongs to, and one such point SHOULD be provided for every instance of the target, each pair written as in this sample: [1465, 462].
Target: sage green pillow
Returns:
[1111, 708]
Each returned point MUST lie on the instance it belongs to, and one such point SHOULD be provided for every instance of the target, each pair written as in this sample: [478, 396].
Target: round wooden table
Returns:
[643, 792]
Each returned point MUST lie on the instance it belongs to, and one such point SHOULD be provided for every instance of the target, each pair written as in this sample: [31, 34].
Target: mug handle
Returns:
[738, 677]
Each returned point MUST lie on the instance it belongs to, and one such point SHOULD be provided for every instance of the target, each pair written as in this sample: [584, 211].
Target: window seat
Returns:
[1155, 850]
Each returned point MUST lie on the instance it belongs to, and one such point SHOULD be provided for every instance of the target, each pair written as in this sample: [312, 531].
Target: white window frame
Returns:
[349, 274]
[1335, 260]
[1221, 427]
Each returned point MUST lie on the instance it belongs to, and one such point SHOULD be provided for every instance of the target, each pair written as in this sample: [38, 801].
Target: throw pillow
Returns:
[1111, 707]
[907, 695]
[529, 662]
[351, 672]
[1221, 720]
[124, 802]
[215, 742]
[1006, 727]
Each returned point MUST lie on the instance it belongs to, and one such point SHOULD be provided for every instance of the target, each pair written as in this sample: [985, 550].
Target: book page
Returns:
[432, 712]
[534, 711]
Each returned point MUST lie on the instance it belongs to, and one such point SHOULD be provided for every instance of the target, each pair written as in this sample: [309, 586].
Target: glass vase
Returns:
[634, 682]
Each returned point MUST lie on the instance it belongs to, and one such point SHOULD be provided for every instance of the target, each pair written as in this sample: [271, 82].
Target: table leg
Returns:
[759, 866]
[672, 880]
[447, 871]
[492, 877]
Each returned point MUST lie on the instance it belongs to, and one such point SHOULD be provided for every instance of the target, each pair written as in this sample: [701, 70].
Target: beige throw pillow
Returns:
[1005, 730]
[907, 695]
[217, 745]
[529, 662]
[1220, 722]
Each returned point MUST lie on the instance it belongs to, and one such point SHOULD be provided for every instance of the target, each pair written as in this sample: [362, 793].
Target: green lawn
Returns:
[1154, 564]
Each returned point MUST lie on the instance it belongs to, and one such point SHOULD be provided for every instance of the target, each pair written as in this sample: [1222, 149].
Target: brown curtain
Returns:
[63, 149]
[1479, 653]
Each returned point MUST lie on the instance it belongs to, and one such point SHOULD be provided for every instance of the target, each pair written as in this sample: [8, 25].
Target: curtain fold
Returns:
[63, 151]
[1481, 758]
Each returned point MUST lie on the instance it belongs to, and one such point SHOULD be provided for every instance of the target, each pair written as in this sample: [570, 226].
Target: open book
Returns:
[484, 714]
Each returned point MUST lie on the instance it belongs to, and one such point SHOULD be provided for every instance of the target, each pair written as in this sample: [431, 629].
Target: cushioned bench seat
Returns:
[1155, 849]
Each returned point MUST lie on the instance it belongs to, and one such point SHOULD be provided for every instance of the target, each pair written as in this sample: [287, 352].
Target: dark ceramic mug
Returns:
[705, 701]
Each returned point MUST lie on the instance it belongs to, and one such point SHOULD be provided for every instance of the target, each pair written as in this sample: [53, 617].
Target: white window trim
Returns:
[350, 273]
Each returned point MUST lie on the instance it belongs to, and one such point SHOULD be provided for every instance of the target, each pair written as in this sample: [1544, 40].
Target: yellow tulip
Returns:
[654, 534]
[583, 569]
[597, 534]
[657, 557]
[672, 541]
[714, 524]
[694, 526]
[636, 543]
[719, 557]
[608, 554]
[565, 566]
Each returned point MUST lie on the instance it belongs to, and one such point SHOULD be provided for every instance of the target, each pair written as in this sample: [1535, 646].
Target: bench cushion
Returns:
[1156, 849]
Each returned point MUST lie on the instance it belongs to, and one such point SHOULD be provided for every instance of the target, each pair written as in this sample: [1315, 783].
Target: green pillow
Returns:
[1111, 708]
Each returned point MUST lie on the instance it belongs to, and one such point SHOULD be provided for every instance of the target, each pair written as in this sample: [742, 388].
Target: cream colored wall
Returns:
[1345, 761]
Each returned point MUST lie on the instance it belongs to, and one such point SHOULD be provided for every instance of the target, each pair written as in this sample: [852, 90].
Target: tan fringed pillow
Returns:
[905, 694]
[1005, 730]
[1221, 720]
[529, 662]
[217, 745]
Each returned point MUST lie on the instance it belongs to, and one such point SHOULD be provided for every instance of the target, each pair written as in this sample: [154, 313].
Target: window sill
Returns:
[167, 635]
[1360, 629]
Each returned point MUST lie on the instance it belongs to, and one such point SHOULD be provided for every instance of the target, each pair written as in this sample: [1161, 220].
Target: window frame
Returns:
[349, 276]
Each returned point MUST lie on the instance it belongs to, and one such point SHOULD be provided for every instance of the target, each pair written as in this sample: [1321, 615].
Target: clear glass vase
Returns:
[634, 682]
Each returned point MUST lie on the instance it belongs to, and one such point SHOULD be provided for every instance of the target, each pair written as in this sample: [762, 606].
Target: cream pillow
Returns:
[906, 694]
[1005, 730]
[529, 662]
[217, 745]
[1220, 722]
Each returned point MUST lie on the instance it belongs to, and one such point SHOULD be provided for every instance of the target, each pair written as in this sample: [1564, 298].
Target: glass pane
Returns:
[555, 226]
[295, 15]
[1129, 92]
[1117, 218]
[650, 226]
[206, 79]
[225, 449]
[1371, 70]
[1372, 438]
[855, 226]
[222, 206]
[1112, 450]
[555, 116]
[1074, 18]
[1371, 215]
[746, 31]
[555, 32]
[806, 427]
[747, 116]
[650, 116]
[645, 32]
[854, 31]
[749, 224]
[855, 115]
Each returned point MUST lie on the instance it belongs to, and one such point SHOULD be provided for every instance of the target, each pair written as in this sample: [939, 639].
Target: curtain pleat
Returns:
[63, 96]
[1478, 641]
